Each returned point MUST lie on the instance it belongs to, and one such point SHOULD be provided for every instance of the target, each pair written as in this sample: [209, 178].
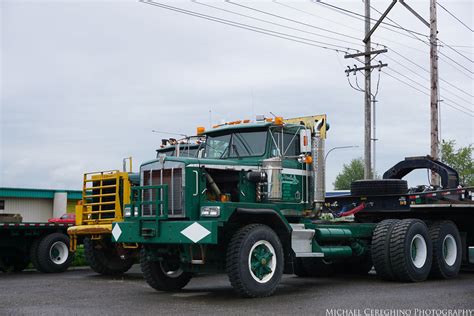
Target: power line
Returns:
[416, 82]
[425, 93]
[288, 19]
[273, 23]
[427, 71]
[412, 35]
[281, 35]
[362, 16]
[286, 36]
[426, 79]
[455, 50]
[455, 17]
[411, 32]
[416, 37]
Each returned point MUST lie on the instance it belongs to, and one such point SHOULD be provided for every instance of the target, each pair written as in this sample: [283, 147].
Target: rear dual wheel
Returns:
[446, 250]
[407, 250]
[51, 254]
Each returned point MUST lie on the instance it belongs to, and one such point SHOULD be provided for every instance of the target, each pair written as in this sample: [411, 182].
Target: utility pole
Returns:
[434, 82]
[374, 133]
[434, 120]
[367, 93]
[368, 174]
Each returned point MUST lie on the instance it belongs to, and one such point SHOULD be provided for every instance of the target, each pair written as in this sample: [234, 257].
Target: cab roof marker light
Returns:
[200, 130]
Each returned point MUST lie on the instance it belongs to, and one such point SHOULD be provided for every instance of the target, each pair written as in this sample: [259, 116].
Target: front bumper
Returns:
[165, 232]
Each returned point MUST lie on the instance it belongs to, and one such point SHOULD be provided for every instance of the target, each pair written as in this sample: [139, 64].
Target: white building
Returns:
[38, 205]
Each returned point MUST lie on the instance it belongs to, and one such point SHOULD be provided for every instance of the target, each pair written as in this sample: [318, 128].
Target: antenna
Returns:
[168, 133]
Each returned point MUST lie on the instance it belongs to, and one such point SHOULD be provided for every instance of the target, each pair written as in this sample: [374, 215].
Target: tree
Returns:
[352, 172]
[460, 159]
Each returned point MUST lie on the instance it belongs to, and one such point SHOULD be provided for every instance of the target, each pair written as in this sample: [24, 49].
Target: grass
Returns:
[79, 258]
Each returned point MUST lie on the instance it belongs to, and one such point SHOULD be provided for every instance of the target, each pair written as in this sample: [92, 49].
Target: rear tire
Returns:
[34, 254]
[165, 275]
[447, 250]
[53, 253]
[255, 261]
[381, 249]
[104, 259]
[411, 250]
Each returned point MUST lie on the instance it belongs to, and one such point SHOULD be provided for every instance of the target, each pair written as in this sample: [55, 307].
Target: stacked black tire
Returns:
[50, 253]
[409, 250]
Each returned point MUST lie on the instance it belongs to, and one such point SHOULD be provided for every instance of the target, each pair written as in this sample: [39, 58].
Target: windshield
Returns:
[184, 151]
[236, 145]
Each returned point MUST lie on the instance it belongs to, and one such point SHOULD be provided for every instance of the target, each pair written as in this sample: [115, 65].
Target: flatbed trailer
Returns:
[45, 245]
[455, 205]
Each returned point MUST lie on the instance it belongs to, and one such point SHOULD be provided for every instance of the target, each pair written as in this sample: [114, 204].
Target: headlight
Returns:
[127, 212]
[210, 211]
[135, 211]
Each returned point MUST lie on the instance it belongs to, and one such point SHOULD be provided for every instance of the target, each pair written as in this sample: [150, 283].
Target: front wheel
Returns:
[255, 261]
[164, 275]
[103, 257]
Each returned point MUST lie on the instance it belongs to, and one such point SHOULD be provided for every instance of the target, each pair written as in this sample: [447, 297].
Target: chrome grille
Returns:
[174, 179]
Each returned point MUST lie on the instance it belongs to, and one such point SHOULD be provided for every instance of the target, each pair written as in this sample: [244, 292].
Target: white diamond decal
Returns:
[116, 232]
[195, 232]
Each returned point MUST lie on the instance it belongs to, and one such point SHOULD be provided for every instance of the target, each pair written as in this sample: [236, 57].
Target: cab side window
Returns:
[289, 144]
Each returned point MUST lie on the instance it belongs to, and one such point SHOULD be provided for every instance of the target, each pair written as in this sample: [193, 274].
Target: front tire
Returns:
[165, 275]
[104, 259]
[447, 250]
[255, 261]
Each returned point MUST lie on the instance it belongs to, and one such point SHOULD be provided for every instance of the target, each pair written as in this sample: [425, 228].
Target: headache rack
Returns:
[103, 195]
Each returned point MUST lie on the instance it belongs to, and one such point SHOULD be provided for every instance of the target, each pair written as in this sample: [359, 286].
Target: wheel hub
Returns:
[262, 262]
[418, 250]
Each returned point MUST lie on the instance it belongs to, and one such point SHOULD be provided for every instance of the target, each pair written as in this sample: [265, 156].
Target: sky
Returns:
[84, 83]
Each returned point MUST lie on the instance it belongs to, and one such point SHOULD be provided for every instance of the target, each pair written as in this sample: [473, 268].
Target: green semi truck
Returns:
[251, 206]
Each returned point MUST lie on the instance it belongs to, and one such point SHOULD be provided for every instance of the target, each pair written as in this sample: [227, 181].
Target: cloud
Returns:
[84, 83]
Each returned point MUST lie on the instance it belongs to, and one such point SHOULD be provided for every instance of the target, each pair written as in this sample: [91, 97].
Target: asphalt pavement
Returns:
[82, 292]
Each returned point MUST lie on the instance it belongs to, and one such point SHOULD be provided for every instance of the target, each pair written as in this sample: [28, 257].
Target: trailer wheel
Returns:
[378, 187]
[447, 250]
[381, 248]
[104, 259]
[34, 254]
[411, 250]
[166, 275]
[53, 253]
[255, 261]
